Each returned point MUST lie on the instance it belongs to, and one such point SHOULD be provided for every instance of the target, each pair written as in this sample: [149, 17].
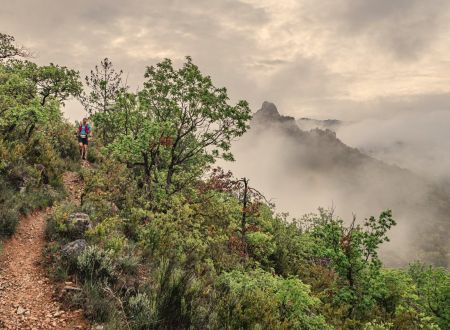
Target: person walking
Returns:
[83, 137]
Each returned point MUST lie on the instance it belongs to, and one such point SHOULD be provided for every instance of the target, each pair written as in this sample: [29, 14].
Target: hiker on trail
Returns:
[83, 134]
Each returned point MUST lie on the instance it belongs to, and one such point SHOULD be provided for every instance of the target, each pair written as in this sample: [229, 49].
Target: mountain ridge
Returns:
[305, 169]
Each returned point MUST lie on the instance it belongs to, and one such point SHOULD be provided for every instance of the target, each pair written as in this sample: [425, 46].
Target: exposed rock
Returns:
[269, 109]
[73, 249]
[20, 310]
[78, 223]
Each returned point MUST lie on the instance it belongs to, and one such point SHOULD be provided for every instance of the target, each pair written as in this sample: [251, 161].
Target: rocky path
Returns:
[26, 294]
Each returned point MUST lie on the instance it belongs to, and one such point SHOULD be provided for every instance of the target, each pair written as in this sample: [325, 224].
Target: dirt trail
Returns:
[26, 295]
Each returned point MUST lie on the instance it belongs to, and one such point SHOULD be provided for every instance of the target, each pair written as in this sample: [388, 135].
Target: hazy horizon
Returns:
[348, 59]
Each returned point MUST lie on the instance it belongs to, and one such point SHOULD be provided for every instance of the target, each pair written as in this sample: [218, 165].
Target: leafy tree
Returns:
[104, 88]
[398, 301]
[58, 82]
[182, 123]
[34, 144]
[353, 252]
[433, 285]
[250, 198]
[26, 83]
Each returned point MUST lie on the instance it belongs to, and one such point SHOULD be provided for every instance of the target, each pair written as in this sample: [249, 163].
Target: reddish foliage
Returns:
[237, 245]
[166, 141]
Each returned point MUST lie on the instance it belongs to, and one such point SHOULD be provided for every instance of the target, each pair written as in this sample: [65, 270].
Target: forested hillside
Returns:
[161, 238]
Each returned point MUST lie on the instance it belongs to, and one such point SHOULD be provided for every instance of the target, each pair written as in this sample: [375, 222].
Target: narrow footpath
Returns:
[27, 296]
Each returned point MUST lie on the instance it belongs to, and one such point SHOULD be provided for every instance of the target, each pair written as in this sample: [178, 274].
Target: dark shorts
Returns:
[84, 141]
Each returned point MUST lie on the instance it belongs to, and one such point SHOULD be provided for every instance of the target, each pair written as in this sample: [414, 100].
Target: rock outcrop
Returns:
[74, 249]
[78, 223]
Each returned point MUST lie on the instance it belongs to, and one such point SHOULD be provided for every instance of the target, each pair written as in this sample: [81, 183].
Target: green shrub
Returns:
[433, 290]
[56, 228]
[9, 218]
[97, 306]
[260, 300]
[38, 199]
[171, 299]
[96, 264]
[142, 311]
[262, 246]
[128, 264]
[57, 267]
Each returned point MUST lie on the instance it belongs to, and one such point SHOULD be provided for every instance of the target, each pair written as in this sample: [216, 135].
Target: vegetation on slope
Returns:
[177, 244]
[35, 141]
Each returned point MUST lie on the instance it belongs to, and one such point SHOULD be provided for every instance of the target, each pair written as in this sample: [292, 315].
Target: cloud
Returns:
[404, 28]
[416, 141]
[306, 54]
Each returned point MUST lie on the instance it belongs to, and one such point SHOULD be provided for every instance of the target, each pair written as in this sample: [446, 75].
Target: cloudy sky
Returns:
[346, 59]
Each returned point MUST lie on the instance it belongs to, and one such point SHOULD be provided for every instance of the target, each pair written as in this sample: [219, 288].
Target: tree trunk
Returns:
[169, 178]
[147, 172]
[244, 214]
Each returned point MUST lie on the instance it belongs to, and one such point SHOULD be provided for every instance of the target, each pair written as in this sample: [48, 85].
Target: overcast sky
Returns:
[346, 59]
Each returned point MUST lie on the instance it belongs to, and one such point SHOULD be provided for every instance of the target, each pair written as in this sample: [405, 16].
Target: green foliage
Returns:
[57, 82]
[104, 89]
[96, 264]
[176, 125]
[433, 288]
[97, 306]
[259, 300]
[262, 246]
[398, 301]
[9, 218]
[352, 253]
[170, 301]
[57, 228]
[34, 139]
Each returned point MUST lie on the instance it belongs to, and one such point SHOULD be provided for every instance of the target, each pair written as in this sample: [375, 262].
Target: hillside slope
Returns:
[301, 170]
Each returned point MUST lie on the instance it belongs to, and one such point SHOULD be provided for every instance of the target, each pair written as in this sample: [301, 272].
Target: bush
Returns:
[259, 300]
[142, 312]
[97, 306]
[171, 299]
[56, 228]
[38, 199]
[9, 218]
[96, 264]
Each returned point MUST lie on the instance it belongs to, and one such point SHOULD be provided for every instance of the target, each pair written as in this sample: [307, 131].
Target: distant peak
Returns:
[268, 108]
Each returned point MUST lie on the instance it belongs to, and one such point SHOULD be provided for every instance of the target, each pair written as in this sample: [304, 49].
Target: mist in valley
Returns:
[417, 141]
[303, 170]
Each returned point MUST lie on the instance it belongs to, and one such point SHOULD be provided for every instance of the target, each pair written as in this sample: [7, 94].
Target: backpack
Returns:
[86, 129]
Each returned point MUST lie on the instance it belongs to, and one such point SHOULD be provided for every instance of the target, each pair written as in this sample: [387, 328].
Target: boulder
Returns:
[78, 223]
[74, 249]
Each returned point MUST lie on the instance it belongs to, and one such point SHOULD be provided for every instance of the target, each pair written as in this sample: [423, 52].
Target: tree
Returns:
[250, 198]
[433, 286]
[105, 86]
[182, 122]
[36, 84]
[8, 48]
[58, 82]
[353, 253]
